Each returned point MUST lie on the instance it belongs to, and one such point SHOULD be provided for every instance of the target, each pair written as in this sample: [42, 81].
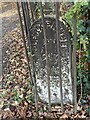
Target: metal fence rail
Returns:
[59, 54]
[26, 15]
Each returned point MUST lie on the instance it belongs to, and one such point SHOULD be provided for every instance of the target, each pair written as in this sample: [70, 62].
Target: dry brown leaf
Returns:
[8, 114]
[22, 112]
[64, 116]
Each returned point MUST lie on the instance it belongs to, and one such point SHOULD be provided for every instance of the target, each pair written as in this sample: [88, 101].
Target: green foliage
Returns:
[83, 33]
[4, 93]
[18, 93]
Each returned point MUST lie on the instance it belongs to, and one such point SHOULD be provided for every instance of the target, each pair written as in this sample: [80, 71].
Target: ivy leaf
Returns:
[83, 102]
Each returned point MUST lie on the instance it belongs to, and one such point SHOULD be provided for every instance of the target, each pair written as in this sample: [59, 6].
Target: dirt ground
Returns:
[9, 17]
[10, 21]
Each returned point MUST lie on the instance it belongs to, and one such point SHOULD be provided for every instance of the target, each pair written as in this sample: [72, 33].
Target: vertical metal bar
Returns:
[59, 53]
[28, 14]
[24, 17]
[30, 4]
[80, 70]
[30, 49]
[89, 54]
[89, 58]
[33, 10]
[74, 63]
[46, 52]
[71, 68]
[26, 23]
[24, 42]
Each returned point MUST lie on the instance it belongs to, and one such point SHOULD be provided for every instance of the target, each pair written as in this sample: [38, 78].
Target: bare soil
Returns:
[10, 21]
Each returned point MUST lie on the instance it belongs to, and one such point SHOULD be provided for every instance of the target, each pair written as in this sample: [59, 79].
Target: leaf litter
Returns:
[17, 97]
